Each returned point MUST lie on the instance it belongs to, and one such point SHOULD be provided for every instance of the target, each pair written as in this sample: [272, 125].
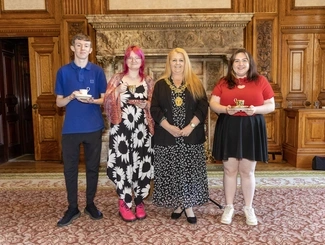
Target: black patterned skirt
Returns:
[180, 176]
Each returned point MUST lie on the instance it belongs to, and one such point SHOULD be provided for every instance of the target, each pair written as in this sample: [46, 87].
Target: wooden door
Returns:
[16, 125]
[47, 117]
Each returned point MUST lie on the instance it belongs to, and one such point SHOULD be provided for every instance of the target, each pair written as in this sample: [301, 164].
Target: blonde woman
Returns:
[179, 107]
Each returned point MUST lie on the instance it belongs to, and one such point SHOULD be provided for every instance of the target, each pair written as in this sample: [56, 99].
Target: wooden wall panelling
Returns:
[245, 6]
[179, 7]
[291, 136]
[306, 18]
[265, 52]
[83, 7]
[319, 69]
[265, 6]
[305, 136]
[265, 45]
[70, 28]
[256, 6]
[47, 122]
[297, 68]
[51, 11]
[76, 7]
[27, 23]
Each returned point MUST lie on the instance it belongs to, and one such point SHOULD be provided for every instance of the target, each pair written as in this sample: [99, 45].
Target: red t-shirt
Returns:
[254, 93]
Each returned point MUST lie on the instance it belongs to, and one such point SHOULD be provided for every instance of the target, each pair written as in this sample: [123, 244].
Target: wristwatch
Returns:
[192, 125]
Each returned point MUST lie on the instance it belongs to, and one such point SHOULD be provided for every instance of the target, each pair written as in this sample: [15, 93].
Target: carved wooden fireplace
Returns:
[209, 39]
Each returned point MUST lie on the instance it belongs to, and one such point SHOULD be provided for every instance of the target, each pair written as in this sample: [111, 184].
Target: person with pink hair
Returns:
[127, 105]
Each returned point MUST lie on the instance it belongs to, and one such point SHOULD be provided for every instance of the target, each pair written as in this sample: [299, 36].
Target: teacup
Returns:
[132, 88]
[239, 103]
[84, 91]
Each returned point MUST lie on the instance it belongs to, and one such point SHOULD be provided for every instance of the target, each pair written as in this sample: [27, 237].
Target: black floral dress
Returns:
[130, 153]
[180, 170]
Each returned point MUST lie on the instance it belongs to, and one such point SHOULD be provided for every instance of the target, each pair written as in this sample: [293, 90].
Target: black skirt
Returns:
[240, 137]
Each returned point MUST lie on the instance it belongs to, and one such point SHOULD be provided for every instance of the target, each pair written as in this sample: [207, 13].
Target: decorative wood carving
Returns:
[320, 67]
[265, 53]
[264, 47]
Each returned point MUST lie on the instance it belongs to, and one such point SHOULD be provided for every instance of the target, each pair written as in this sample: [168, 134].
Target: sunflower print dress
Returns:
[130, 153]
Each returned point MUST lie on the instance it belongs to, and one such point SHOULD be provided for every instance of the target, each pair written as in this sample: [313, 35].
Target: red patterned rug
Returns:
[286, 215]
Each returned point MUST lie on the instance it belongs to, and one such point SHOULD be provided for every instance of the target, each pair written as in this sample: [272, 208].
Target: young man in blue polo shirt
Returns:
[83, 124]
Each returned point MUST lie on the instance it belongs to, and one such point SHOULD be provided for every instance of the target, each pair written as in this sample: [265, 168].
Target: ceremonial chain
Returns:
[178, 100]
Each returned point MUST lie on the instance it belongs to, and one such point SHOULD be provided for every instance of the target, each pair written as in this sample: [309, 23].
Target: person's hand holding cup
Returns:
[84, 91]
[132, 88]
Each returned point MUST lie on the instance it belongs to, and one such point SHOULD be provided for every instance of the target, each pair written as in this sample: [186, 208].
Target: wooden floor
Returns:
[26, 164]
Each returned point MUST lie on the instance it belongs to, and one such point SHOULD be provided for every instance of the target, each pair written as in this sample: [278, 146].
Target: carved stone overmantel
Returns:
[209, 39]
[157, 34]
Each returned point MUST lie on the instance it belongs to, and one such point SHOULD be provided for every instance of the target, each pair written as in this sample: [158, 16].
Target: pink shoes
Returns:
[140, 213]
[125, 212]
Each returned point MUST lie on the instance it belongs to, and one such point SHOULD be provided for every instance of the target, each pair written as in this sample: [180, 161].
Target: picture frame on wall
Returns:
[117, 6]
[23, 5]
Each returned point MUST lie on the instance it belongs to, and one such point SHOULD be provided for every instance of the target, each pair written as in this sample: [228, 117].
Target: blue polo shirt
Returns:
[81, 117]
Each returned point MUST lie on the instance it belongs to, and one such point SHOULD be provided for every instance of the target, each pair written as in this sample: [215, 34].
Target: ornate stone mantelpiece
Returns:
[157, 34]
[209, 39]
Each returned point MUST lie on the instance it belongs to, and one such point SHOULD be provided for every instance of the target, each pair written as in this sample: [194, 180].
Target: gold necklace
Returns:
[178, 100]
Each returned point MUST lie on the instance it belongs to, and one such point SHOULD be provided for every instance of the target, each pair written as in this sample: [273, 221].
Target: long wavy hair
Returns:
[139, 52]
[252, 73]
[192, 81]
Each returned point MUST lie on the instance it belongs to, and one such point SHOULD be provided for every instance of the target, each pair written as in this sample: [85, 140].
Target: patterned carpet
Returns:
[289, 207]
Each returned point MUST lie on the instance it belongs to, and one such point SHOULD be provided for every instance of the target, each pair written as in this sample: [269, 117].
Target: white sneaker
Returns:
[228, 214]
[250, 216]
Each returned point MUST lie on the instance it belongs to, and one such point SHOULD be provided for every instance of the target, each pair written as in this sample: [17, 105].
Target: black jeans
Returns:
[92, 143]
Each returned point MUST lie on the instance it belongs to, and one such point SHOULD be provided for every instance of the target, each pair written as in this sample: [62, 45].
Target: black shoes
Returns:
[177, 215]
[191, 220]
[70, 215]
[73, 213]
[93, 212]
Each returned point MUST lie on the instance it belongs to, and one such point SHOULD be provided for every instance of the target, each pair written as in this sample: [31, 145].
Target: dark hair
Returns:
[138, 51]
[252, 73]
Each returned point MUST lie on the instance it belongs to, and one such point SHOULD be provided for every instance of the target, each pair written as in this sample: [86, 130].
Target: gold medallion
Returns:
[178, 101]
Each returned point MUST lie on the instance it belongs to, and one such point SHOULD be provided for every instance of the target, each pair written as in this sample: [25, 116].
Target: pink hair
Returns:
[138, 51]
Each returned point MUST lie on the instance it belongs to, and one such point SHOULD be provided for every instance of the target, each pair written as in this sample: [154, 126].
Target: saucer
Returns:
[239, 108]
[83, 96]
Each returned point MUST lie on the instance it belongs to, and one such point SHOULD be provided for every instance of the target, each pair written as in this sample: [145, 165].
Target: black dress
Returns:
[180, 170]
